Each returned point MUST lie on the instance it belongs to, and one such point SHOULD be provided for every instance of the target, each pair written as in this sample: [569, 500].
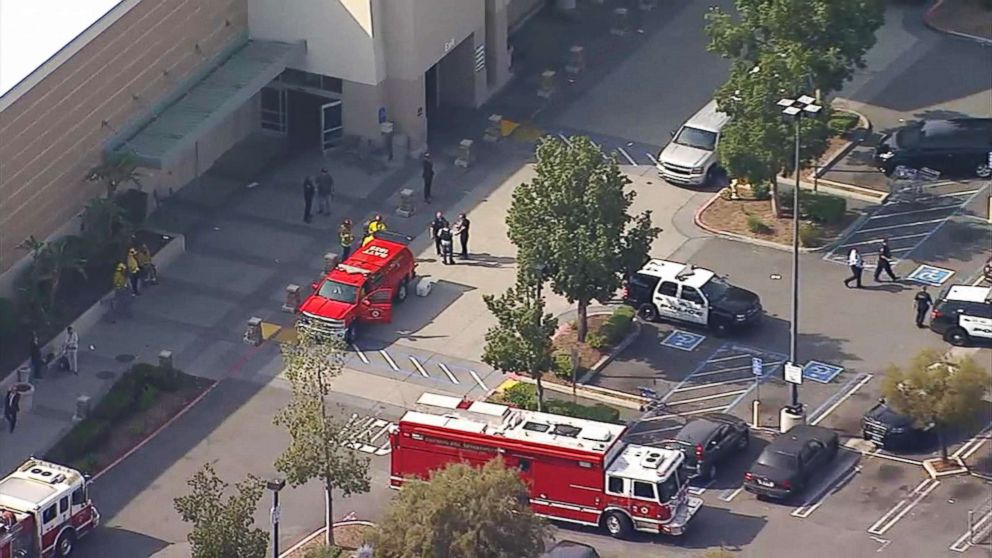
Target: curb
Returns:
[318, 532]
[957, 34]
[603, 395]
[863, 123]
[635, 331]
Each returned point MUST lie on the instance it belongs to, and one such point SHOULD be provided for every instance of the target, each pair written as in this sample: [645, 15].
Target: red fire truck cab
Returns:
[363, 288]
[44, 509]
[579, 471]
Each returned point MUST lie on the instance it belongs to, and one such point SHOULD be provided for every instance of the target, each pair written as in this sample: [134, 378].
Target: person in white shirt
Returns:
[857, 265]
[70, 348]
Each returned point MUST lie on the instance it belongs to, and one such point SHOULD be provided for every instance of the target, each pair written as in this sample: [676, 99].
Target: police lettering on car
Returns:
[684, 293]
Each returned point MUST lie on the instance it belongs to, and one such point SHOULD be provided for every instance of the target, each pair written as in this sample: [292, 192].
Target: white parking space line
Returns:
[977, 532]
[914, 211]
[719, 409]
[847, 392]
[653, 160]
[627, 156]
[831, 487]
[903, 225]
[722, 371]
[360, 354]
[447, 372]
[875, 240]
[389, 359]
[713, 384]
[978, 281]
[721, 359]
[705, 397]
[565, 139]
[903, 507]
[699, 490]
[419, 367]
[964, 193]
[728, 495]
[974, 443]
[477, 379]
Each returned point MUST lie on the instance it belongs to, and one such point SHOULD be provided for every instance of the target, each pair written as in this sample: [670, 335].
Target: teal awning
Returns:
[205, 101]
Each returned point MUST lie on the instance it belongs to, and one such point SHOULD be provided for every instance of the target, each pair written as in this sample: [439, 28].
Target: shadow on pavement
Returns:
[414, 315]
[111, 541]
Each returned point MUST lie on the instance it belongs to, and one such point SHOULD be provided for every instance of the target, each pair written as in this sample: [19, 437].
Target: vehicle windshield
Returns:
[694, 137]
[777, 460]
[716, 288]
[669, 488]
[909, 136]
[339, 292]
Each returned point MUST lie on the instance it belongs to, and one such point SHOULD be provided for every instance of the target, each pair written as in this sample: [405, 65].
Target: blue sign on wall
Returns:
[683, 340]
[821, 371]
[930, 275]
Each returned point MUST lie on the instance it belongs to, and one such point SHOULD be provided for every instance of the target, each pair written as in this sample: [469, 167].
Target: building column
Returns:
[361, 104]
[407, 110]
[497, 54]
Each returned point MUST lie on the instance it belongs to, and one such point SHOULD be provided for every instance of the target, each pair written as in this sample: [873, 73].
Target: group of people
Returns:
[443, 235]
[922, 301]
[132, 274]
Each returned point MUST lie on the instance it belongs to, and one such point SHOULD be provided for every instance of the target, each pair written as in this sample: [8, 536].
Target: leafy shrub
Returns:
[761, 191]
[165, 379]
[81, 440]
[120, 401]
[562, 366]
[524, 395]
[841, 122]
[324, 552]
[134, 205]
[757, 226]
[618, 326]
[87, 464]
[809, 234]
[822, 208]
[149, 395]
[596, 340]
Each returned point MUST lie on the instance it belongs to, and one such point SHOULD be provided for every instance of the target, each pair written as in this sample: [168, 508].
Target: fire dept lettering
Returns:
[376, 251]
[460, 445]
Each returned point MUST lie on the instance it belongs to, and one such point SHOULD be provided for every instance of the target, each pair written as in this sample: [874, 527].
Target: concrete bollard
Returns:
[465, 155]
[292, 298]
[406, 207]
[547, 86]
[493, 132]
[331, 260]
[24, 374]
[576, 60]
[165, 359]
[82, 408]
[253, 333]
[621, 22]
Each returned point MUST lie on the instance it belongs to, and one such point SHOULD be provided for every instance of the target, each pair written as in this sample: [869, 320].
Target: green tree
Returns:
[117, 170]
[463, 511]
[50, 261]
[784, 48]
[938, 391]
[319, 446]
[521, 339]
[573, 218]
[222, 527]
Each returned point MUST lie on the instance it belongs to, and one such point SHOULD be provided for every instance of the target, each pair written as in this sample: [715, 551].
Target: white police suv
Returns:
[963, 314]
[683, 293]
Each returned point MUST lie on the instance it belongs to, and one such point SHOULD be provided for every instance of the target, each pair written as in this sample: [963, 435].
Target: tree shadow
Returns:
[960, 241]
[111, 541]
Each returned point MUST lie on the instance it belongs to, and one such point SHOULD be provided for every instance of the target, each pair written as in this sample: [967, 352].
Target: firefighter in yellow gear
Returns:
[375, 225]
[120, 277]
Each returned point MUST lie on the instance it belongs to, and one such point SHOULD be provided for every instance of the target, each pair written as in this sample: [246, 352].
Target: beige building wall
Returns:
[52, 134]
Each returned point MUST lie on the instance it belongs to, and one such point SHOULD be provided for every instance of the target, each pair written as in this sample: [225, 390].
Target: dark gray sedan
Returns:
[710, 439]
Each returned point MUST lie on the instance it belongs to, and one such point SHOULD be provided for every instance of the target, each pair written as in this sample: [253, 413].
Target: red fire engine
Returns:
[44, 509]
[580, 471]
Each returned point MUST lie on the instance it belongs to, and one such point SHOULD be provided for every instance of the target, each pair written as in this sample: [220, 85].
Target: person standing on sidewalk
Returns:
[857, 265]
[133, 270]
[308, 192]
[149, 275]
[12, 406]
[437, 224]
[325, 189]
[922, 302]
[461, 229]
[428, 175]
[37, 362]
[447, 245]
[346, 238]
[884, 262]
[70, 350]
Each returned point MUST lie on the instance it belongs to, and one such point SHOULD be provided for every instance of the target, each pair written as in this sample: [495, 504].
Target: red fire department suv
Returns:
[361, 289]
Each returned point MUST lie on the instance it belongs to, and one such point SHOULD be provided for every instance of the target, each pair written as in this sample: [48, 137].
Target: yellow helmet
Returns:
[121, 267]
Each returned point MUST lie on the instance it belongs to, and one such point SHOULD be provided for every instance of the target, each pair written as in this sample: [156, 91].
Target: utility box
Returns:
[406, 207]
[465, 154]
[576, 60]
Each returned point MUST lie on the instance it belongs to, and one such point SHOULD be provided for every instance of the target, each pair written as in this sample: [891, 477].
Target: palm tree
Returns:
[118, 169]
[50, 262]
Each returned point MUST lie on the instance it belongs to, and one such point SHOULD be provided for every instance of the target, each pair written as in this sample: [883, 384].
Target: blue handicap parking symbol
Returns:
[683, 340]
[821, 371]
[930, 275]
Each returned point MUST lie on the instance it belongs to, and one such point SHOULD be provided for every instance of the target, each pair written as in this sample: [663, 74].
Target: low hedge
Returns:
[524, 396]
[819, 208]
[618, 326]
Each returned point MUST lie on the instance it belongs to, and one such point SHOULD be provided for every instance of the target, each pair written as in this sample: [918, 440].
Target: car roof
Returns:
[797, 436]
[570, 549]
[686, 274]
[966, 293]
[369, 259]
[708, 118]
[700, 428]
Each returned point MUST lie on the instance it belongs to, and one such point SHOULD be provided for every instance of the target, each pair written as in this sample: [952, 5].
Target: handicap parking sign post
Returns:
[683, 340]
[930, 275]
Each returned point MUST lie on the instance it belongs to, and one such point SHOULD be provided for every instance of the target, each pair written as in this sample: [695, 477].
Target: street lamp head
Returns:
[275, 485]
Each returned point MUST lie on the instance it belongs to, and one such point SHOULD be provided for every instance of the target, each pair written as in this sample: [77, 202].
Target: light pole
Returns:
[275, 485]
[796, 109]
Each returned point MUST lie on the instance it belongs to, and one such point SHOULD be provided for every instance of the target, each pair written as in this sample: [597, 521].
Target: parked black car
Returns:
[958, 147]
[570, 549]
[791, 461]
[888, 429]
[708, 440]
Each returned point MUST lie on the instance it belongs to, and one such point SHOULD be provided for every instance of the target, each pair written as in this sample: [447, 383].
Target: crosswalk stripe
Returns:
[389, 359]
[447, 372]
[627, 155]
[478, 380]
[419, 367]
[360, 354]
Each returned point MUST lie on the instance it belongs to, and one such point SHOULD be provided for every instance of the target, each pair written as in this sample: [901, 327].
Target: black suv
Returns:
[708, 440]
[887, 428]
[959, 147]
[787, 465]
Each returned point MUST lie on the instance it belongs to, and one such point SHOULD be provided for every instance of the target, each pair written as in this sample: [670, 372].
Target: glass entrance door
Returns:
[274, 109]
[331, 128]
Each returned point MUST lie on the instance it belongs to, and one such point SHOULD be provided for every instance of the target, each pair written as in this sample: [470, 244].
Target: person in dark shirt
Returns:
[437, 224]
[37, 362]
[884, 261]
[428, 176]
[461, 229]
[308, 192]
[923, 302]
